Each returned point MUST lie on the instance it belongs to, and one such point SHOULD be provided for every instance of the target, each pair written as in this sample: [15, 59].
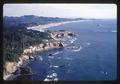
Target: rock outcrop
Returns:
[60, 34]
[24, 59]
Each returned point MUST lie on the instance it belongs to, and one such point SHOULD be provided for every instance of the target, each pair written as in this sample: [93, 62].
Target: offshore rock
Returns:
[61, 45]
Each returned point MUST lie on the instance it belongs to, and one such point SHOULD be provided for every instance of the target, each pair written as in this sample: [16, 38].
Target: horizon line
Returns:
[59, 17]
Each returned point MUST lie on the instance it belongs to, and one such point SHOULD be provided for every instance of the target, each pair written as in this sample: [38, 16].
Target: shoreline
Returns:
[24, 59]
[11, 67]
[42, 27]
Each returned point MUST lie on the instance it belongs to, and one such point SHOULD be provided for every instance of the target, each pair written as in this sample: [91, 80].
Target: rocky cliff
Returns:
[24, 59]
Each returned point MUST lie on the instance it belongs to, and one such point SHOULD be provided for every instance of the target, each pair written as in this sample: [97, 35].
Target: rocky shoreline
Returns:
[12, 69]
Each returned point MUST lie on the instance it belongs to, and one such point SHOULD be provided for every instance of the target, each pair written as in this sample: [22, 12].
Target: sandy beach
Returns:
[42, 27]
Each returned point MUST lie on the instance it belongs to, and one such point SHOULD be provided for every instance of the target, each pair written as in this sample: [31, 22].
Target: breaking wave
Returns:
[51, 77]
[77, 49]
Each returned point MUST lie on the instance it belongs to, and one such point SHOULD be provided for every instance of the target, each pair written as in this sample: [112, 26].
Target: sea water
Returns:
[91, 56]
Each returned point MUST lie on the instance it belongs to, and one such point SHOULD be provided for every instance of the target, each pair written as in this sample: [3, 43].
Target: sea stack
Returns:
[61, 45]
[70, 34]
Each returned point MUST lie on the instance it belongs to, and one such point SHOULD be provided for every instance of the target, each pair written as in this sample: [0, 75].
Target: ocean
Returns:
[91, 56]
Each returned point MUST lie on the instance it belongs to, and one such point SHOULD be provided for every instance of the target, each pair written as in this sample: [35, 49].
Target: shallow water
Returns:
[90, 56]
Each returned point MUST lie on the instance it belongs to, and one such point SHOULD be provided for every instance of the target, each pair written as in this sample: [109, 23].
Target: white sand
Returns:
[42, 27]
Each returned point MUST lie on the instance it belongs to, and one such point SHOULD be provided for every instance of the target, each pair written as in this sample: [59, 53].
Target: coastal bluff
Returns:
[24, 59]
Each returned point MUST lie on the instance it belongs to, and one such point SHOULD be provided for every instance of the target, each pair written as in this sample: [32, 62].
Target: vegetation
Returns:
[17, 37]
[30, 20]
[15, 41]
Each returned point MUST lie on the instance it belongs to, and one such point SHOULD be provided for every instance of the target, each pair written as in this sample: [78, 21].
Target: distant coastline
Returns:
[21, 26]
[42, 27]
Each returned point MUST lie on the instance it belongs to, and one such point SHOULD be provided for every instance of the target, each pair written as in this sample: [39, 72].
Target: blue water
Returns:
[96, 60]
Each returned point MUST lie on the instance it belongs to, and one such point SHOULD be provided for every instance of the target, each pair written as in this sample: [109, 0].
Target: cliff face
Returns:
[24, 59]
[11, 67]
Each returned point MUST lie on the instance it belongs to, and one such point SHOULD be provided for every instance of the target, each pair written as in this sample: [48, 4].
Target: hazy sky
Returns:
[62, 10]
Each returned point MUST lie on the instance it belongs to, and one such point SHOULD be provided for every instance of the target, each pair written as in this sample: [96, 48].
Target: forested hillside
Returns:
[16, 37]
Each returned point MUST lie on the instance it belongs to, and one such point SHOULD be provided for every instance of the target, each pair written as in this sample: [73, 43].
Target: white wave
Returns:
[56, 53]
[47, 79]
[69, 47]
[88, 43]
[54, 66]
[68, 58]
[54, 74]
[51, 57]
[76, 50]
[72, 40]
[40, 58]
[103, 72]
[51, 77]
[56, 79]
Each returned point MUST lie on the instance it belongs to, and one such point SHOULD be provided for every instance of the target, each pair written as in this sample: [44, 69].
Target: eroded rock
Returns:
[70, 34]
[61, 45]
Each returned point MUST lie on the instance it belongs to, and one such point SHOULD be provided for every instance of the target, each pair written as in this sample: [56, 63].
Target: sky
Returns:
[99, 11]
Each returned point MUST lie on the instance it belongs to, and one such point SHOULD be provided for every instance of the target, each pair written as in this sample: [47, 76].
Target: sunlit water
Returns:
[90, 56]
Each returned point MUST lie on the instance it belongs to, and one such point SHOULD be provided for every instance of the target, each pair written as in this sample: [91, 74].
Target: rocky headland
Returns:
[13, 69]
